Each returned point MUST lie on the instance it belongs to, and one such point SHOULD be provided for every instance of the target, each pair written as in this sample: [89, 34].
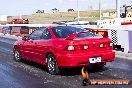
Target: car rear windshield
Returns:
[65, 31]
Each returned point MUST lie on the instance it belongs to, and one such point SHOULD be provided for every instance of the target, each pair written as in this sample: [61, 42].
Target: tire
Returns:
[52, 65]
[17, 56]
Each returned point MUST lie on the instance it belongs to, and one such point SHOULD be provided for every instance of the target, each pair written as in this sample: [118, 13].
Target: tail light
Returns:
[101, 45]
[85, 47]
[105, 45]
[76, 47]
[70, 48]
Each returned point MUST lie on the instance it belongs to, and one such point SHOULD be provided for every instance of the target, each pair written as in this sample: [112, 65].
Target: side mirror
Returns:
[25, 38]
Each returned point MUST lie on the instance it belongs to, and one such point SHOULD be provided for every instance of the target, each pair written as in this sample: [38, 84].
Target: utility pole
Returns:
[99, 9]
[78, 16]
[20, 16]
[118, 8]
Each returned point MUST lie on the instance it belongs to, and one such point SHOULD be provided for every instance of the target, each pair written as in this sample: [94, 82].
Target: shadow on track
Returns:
[67, 71]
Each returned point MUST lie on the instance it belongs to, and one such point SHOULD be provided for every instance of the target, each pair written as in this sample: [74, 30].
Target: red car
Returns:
[19, 21]
[64, 46]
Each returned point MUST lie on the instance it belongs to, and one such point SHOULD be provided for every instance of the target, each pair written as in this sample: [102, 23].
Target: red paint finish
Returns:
[126, 23]
[19, 21]
[36, 50]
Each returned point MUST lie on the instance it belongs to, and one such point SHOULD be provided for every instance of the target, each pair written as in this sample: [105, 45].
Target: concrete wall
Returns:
[123, 39]
[130, 41]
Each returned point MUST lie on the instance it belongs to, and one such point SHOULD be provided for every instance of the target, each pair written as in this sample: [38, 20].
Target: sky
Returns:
[24, 7]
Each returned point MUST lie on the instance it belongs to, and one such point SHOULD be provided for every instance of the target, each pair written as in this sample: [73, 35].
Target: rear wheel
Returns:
[52, 65]
[17, 56]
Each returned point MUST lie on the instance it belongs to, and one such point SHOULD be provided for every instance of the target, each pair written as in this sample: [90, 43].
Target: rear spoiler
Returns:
[72, 36]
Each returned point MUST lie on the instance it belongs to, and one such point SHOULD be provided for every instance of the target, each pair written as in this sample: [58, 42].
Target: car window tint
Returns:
[37, 34]
[64, 31]
[46, 35]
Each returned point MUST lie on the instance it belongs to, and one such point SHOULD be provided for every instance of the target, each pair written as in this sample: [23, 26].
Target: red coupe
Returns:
[64, 46]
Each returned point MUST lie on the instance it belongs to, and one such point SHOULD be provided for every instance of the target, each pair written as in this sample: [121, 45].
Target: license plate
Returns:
[95, 59]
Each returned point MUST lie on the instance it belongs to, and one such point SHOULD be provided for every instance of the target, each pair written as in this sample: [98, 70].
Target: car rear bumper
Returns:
[81, 59]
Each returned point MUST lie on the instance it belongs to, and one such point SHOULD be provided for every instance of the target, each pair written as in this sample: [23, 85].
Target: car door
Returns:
[43, 45]
[29, 45]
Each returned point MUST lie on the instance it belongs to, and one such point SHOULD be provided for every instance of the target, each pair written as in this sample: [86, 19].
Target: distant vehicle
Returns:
[64, 46]
[6, 30]
[77, 23]
[20, 31]
[19, 21]
[59, 23]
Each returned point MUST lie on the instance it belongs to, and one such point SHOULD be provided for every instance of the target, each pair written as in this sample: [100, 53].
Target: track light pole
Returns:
[78, 14]
[118, 8]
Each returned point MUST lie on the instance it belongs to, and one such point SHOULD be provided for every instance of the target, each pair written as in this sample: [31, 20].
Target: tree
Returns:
[40, 11]
[55, 10]
[70, 10]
